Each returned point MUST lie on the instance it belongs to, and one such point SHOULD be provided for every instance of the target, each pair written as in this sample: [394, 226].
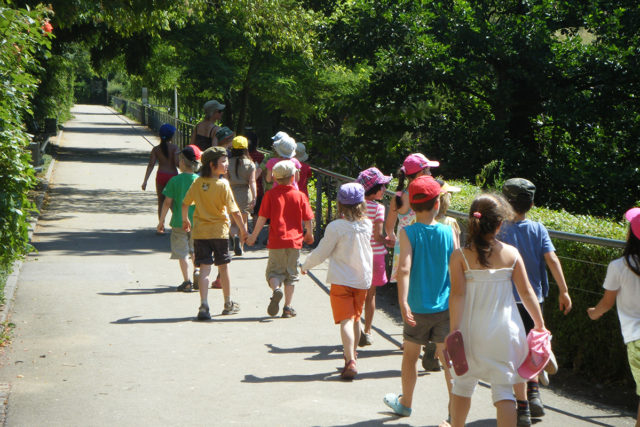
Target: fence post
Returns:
[319, 228]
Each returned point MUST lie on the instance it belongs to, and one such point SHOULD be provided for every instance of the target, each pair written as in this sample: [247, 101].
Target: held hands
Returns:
[160, 228]
[186, 225]
[243, 236]
[564, 302]
[593, 314]
[251, 240]
[390, 241]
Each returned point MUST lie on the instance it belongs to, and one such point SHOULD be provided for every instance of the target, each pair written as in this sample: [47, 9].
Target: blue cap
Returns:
[166, 131]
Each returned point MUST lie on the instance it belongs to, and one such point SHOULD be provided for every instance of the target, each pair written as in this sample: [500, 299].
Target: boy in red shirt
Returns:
[287, 208]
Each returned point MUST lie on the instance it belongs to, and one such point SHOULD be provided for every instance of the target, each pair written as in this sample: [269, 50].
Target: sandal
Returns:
[393, 401]
[288, 311]
[349, 372]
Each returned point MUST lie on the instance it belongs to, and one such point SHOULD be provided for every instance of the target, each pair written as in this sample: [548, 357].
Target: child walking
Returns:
[287, 209]
[214, 203]
[285, 148]
[165, 154]
[174, 192]
[423, 287]
[346, 243]
[414, 165]
[374, 183]
[532, 240]
[483, 309]
[622, 288]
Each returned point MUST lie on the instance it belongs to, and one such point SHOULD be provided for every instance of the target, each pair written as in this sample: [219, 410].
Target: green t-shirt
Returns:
[176, 188]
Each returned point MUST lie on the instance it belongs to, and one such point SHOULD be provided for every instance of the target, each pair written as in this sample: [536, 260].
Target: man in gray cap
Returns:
[204, 134]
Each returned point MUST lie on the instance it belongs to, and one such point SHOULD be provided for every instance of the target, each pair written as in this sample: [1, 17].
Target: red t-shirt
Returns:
[286, 207]
[305, 174]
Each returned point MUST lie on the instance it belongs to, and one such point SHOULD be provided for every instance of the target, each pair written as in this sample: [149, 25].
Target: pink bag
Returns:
[539, 343]
[454, 353]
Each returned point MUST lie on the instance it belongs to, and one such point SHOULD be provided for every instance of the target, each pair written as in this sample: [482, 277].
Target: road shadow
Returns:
[376, 422]
[141, 291]
[135, 320]
[329, 352]
[322, 376]
[116, 156]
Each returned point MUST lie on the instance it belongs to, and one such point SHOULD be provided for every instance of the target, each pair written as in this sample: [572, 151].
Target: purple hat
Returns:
[351, 193]
[633, 216]
[414, 163]
[371, 177]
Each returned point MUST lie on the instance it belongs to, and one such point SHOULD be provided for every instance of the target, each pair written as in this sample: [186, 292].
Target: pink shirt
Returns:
[375, 213]
[272, 162]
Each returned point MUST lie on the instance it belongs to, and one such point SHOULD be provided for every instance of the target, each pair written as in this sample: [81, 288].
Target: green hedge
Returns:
[581, 345]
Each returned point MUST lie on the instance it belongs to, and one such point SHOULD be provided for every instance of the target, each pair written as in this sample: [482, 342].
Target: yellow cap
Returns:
[240, 142]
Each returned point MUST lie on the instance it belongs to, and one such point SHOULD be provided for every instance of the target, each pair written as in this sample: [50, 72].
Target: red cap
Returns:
[423, 185]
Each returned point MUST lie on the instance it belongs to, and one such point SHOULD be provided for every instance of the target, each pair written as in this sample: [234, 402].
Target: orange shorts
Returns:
[346, 302]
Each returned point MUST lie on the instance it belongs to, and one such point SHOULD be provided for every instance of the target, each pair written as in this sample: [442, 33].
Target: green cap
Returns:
[519, 188]
[212, 154]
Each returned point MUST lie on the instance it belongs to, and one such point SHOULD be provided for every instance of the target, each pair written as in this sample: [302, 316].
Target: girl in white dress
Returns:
[482, 307]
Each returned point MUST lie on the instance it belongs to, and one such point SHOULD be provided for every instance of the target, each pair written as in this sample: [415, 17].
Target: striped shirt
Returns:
[375, 213]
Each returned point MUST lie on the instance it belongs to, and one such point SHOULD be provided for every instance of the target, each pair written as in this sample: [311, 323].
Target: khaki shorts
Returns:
[633, 353]
[432, 327]
[181, 243]
[283, 265]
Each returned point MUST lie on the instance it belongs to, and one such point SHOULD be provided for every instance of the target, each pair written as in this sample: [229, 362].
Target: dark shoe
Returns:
[230, 243]
[524, 414]
[274, 304]
[216, 284]
[203, 312]
[230, 308]
[349, 372]
[196, 279]
[288, 311]
[535, 404]
[365, 339]
[186, 286]
[429, 361]
[237, 247]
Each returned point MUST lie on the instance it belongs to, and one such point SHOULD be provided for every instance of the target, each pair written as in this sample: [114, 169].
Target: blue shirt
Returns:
[429, 283]
[532, 241]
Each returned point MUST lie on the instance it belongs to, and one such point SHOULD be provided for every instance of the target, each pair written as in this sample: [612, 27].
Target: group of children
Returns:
[491, 290]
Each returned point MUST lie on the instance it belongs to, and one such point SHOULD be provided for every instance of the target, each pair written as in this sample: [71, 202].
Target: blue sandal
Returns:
[393, 401]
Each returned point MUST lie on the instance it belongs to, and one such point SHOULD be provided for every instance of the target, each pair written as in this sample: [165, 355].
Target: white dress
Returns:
[492, 331]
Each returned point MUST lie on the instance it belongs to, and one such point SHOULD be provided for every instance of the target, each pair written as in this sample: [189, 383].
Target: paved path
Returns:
[102, 338]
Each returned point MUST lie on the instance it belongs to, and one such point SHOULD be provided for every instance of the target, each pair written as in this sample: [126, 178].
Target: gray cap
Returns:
[283, 169]
[285, 147]
[212, 106]
[519, 188]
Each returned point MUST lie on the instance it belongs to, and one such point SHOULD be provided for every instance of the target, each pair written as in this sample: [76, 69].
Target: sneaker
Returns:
[274, 304]
[186, 286]
[523, 413]
[543, 378]
[196, 279]
[535, 403]
[230, 243]
[365, 339]
[552, 365]
[349, 372]
[203, 312]
[429, 361]
[288, 311]
[231, 308]
[393, 401]
[216, 284]
[237, 247]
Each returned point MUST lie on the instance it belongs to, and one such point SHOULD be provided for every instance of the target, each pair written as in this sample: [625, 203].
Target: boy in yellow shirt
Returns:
[214, 202]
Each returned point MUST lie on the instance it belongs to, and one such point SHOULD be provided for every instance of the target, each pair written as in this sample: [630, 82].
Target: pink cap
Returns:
[414, 163]
[539, 353]
[633, 216]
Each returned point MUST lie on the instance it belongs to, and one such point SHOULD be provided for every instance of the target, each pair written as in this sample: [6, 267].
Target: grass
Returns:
[6, 332]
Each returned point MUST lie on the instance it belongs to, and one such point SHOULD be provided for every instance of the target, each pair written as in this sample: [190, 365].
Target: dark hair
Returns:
[427, 205]
[205, 169]
[373, 190]
[401, 184]
[253, 140]
[239, 152]
[521, 204]
[163, 146]
[631, 253]
[486, 214]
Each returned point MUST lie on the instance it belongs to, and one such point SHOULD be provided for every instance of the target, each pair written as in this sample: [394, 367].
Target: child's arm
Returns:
[390, 224]
[526, 293]
[404, 270]
[186, 224]
[378, 237]
[251, 240]
[605, 304]
[458, 290]
[564, 300]
[253, 188]
[152, 163]
[165, 208]
[269, 176]
[237, 217]
[322, 251]
[308, 235]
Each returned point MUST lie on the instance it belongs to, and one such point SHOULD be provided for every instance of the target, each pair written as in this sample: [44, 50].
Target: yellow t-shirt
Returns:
[214, 201]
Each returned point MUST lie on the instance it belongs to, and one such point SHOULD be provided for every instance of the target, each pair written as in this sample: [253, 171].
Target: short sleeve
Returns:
[189, 197]
[229, 200]
[545, 240]
[271, 163]
[265, 206]
[379, 213]
[307, 213]
[169, 189]
[611, 281]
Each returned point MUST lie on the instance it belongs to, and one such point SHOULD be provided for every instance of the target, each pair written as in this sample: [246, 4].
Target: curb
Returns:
[12, 279]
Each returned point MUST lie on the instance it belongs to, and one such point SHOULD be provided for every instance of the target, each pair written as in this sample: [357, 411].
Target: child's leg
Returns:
[409, 374]
[520, 390]
[184, 268]
[459, 410]
[274, 283]
[223, 272]
[369, 309]
[161, 198]
[205, 269]
[288, 294]
[447, 372]
[506, 413]
[356, 335]
[348, 339]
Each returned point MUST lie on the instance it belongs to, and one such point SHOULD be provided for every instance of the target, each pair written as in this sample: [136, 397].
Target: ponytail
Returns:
[486, 214]
[164, 147]
[631, 253]
[400, 188]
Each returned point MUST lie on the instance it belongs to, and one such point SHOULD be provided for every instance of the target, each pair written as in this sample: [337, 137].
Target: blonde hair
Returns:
[445, 202]
[352, 213]
[194, 165]
[284, 181]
